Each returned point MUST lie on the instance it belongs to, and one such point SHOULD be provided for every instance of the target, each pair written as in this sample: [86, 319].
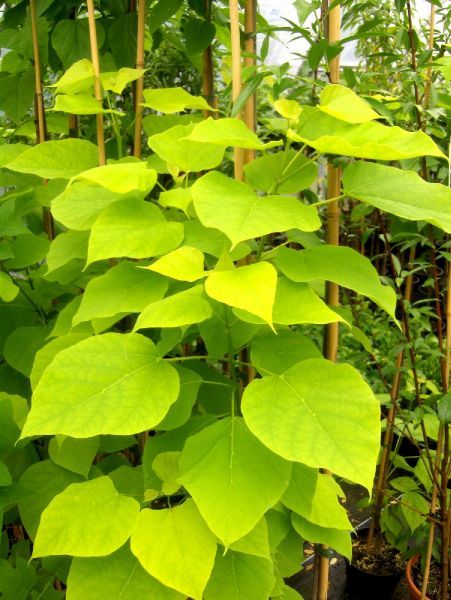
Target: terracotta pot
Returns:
[415, 593]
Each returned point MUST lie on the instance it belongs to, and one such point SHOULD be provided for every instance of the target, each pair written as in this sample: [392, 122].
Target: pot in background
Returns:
[364, 585]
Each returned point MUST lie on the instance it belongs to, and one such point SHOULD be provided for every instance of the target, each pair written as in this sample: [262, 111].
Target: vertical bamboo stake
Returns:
[236, 75]
[333, 237]
[250, 30]
[41, 129]
[97, 86]
[139, 82]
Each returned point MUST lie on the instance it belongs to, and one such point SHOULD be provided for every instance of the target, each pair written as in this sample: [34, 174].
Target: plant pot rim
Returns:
[410, 582]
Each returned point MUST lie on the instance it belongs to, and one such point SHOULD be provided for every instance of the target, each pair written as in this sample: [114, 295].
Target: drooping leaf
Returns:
[188, 156]
[121, 178]
[123, 289]
[182, 537]
[118, 577]
[339, 264]
[256, 542]
[338, 539]
[172, 100]
[342, 103]
[56, 159]
[177, 310]
[8, 289]
[65, 522]
[65, 247]
[22, 345]
[180, 411]
[125, 389]
[228, 132]
[80, 104]
[74, 454]
[38, 485]
[132, 228]
[415, 509]
[185, 264]
[313, 495]
[362, 140]
[281, 172]
[236, 210]
[79, 77]
[117, 81]
[177, 198]
[318, 413]
[28, 250]
[252, 288]
[224, 466]
[238, 576]
[401, 193]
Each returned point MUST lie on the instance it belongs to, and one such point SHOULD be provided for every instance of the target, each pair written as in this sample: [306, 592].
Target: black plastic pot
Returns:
[363, 585]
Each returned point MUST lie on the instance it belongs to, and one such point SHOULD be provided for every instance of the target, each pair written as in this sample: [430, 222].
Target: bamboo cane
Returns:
[97, 86]
[333, 237]
[427, 89]
[250, 30]
[137, 143]
[236, 76]
[41, 128]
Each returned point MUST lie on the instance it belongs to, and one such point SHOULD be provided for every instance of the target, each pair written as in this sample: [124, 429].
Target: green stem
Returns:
[116, 128]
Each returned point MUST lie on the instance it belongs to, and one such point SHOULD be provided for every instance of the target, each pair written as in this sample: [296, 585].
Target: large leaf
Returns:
[318, 413]
[22, 345]
[188, 156]
[86, 519]
[252, 288]
[123, 289]
[132, 228]
[70, 38]
[228, 132]
[121, 178]
[236, 210]
[401, 193]
[285, 172]
[362, 140]
[238, 576]
[182, 548]
[110, 384]
[116, 577]
[341, 265]
[56, 159]
[16, 94]
[172, 100]
[177, 310]
[13, 412]
[80, 204]
[275, 353]
[232, 477]
[79, 104]
[341, 102]
[117, 81]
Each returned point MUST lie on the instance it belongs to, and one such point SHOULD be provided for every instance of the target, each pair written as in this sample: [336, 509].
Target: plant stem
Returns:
[97, 86]
[139, 85]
